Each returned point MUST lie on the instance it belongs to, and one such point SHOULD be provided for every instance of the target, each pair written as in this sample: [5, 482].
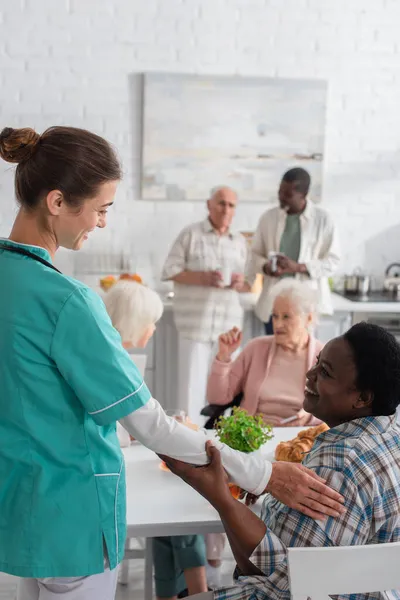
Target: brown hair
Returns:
[74, 161]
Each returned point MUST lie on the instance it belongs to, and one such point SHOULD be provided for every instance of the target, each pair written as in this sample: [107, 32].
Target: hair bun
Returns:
[18, 145]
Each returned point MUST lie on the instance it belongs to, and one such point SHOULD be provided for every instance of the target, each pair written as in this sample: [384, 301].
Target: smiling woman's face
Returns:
[331, 393]
[72, 227]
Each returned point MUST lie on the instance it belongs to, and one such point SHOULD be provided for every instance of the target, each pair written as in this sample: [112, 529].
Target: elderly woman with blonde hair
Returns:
[134, 310]
[179, 561]
[271, 370]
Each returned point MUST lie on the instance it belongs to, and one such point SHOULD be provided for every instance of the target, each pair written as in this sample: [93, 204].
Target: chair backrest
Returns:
[215, 411]
[317, 573]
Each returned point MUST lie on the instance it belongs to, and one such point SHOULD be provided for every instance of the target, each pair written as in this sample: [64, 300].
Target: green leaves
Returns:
[242, 431]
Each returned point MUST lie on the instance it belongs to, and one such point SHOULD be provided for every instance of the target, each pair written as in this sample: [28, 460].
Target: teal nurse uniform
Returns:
[64, 382]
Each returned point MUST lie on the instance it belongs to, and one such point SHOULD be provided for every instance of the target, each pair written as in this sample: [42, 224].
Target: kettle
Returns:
[392, 279]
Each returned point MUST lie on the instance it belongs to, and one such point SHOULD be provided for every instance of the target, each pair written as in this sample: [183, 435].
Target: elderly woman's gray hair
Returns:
[132, 308]
[300, 293]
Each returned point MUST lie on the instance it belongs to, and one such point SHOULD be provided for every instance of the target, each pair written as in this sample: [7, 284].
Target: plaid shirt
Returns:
[361, 459]
[203, 313]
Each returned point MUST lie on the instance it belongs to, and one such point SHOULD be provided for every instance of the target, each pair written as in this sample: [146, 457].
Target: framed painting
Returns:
[200, 132]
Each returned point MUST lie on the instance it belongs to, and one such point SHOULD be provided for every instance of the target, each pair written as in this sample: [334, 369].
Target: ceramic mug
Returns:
[226, 276]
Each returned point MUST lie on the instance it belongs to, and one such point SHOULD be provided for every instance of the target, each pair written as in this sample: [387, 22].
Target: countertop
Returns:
[339, 303]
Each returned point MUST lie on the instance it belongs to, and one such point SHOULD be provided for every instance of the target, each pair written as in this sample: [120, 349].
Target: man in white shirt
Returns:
[304, 240]
[206, 264]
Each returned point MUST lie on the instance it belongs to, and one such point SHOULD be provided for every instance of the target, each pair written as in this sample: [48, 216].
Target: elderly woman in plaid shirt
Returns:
[355, 389]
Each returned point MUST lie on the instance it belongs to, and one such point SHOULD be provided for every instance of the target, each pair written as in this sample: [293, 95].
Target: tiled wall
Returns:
[73, 62]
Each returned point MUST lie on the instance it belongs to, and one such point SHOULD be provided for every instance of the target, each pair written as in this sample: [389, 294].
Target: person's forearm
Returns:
[189, 278]
[164, 435]
[218, 390]
[244, 530]
[244, 564]
[221, 387]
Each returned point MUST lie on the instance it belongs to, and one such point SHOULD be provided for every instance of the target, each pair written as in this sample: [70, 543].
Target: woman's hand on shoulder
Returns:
[302, 489]
[228, 343]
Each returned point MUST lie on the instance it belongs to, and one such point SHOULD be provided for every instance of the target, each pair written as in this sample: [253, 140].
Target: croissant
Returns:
[294, 450]
[312, 432]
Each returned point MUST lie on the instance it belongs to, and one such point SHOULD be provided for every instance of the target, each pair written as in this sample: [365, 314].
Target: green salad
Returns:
[242, 431]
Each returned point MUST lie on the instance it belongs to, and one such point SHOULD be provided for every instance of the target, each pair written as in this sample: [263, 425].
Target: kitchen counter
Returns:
[341, 304]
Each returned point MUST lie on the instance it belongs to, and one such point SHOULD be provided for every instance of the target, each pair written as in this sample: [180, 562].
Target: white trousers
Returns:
[94, 587]
[194, 360]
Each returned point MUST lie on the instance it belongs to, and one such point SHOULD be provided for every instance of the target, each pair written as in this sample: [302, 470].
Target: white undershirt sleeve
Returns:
[153, 428]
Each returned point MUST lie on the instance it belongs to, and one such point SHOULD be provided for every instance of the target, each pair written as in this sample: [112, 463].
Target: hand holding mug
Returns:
[237, 281]
[287, 266]
[212, 278]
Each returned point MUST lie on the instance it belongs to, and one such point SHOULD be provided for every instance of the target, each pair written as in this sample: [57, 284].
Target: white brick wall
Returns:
[73, 62]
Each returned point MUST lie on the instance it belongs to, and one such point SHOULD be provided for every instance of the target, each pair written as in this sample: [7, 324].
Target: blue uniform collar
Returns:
[37, 250]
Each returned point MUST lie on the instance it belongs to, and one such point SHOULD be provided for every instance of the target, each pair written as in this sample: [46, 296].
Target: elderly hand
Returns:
[301, 489]
[228, 343]
[237, 282]
[210, 481]
[211, 278]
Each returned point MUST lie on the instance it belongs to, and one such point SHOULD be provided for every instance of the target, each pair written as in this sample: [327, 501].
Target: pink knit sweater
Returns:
[249, 374]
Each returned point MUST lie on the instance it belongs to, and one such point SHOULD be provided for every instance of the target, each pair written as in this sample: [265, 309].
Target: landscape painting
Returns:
[200, 132]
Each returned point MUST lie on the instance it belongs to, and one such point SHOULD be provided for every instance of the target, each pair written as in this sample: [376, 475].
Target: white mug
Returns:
[226, 275]
[273, 258]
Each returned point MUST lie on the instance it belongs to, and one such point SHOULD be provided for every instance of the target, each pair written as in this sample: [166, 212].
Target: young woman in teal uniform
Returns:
[65, 380]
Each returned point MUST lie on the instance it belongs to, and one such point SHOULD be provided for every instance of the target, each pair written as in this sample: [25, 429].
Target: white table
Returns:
[160, 503]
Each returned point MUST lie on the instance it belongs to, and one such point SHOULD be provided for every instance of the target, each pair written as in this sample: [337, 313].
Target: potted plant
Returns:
[243, 432]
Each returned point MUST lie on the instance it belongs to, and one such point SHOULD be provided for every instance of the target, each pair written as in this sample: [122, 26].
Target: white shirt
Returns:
[319, 251]
[150, 425]
[203, 313]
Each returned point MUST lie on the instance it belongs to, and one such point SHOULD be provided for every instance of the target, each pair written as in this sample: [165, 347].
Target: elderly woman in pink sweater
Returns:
[271, 370]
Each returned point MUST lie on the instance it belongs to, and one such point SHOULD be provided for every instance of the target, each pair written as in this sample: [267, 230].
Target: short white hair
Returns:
[301, 294]
[219, 188]
[132, 308]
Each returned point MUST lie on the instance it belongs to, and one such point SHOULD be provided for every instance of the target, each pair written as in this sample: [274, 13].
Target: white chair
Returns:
[145, 551]
[317, 573]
